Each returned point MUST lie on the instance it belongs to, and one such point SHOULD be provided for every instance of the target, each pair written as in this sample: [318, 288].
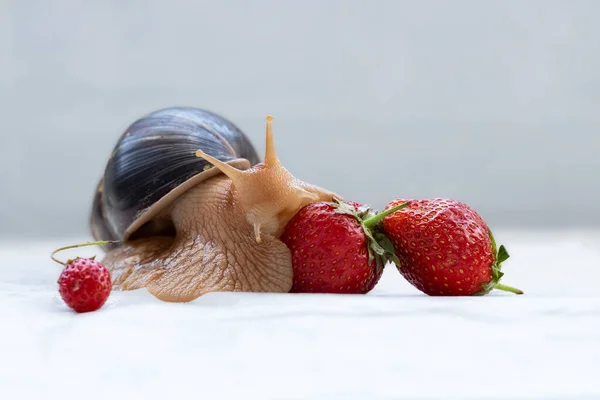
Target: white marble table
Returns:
[394, 343]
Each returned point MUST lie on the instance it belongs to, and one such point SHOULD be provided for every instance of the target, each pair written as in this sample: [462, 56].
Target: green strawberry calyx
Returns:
[380, 247]
[500, 255]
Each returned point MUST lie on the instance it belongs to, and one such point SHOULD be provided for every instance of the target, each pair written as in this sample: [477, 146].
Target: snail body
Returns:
[195, 209]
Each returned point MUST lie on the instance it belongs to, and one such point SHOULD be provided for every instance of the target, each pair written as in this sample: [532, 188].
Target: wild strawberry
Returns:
[444, 248]
[84, 284]
[337, 247]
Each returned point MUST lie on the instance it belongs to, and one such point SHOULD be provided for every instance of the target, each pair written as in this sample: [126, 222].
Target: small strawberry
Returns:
[444, 248]
[84, 284]
[337, 247]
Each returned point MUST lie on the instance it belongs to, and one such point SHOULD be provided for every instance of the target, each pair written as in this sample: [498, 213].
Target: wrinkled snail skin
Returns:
[216, 230]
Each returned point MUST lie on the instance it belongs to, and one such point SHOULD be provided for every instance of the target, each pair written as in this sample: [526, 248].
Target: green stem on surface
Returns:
[99, 243]
[369, 222]
[507, 288]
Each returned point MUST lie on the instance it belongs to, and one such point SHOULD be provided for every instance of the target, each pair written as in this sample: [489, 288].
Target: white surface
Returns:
[393, 343]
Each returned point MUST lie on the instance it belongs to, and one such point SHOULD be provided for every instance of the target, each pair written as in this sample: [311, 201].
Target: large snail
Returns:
[194, 210]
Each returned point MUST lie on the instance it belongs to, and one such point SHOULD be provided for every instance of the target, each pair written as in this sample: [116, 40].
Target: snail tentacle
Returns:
[269, 194]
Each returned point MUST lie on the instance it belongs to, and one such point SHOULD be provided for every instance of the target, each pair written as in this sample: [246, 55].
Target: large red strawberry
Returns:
[84, 284]
[444, 248]
[337, 247]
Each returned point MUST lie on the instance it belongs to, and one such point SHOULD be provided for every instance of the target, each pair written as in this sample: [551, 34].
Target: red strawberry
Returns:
[336, 248]
[444, 248]
[84, 284]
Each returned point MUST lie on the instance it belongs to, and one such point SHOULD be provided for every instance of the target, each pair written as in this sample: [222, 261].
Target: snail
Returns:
[194, 210]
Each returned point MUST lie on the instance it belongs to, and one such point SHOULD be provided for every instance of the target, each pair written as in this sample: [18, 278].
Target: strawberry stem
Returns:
[370, 222]
[507, 288]
[99, 243]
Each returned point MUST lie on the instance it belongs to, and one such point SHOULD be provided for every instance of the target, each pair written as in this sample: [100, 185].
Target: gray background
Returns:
[495, 103]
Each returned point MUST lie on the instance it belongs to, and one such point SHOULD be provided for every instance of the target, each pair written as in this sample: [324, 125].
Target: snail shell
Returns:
[153, 163]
